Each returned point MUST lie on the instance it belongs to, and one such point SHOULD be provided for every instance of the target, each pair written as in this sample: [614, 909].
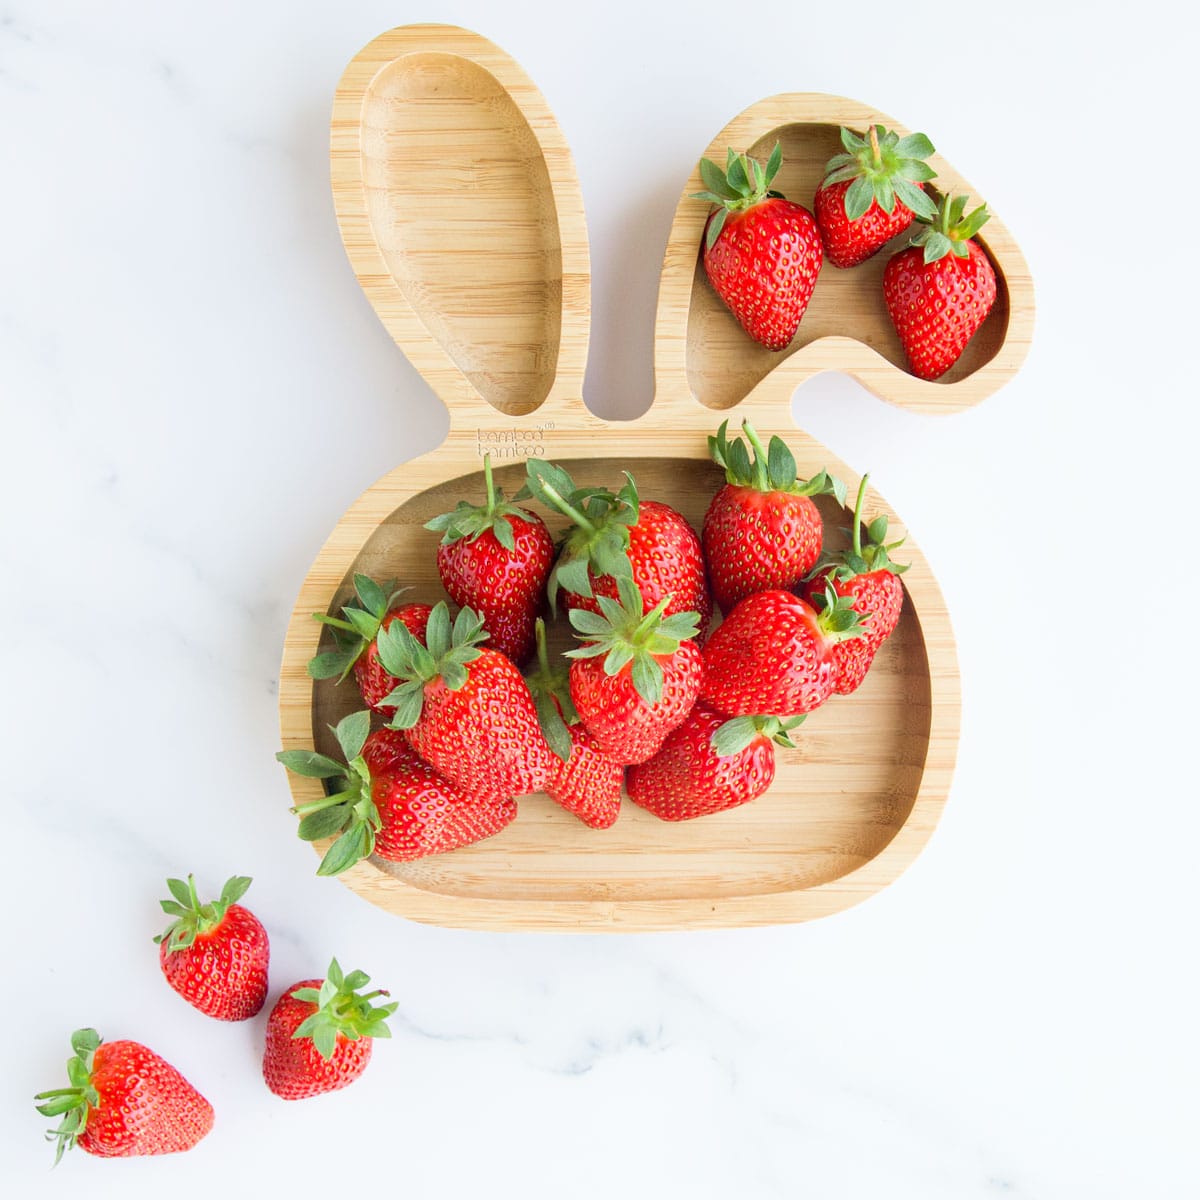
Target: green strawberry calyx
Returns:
[836, 616]
[76, 1102]
[882, 168]
[193, 918]
[347, 813]
[744, 183]
[860, 558]
[448, 652]
[737, 733]
[628, 636]
[471, 521]
[356, 629]
[598, 541]
[949, 231]
[771, 469]
[342, 1009]
[551, 693]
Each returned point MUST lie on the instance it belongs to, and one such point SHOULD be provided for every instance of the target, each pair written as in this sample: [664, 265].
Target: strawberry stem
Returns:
[856, 533]
[567, 508]
[760, 457]
[874, 135]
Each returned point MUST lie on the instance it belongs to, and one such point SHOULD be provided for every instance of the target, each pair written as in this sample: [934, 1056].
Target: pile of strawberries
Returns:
[762, 252]
[646, 699]
[122, 1099]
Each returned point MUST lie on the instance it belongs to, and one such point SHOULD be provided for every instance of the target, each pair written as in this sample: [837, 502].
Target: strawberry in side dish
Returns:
[940, 290]
[762, 253]
[615, 534]
[465, 708]
[386, 800]
[586, 780]
[320, 1033]
[215, 955]
[774, 654]
[866, 575]
[355, 635]
[708, 764]
[636, 675]
[871, 192]
[762, 529]
[123, 1100]
[495, 559]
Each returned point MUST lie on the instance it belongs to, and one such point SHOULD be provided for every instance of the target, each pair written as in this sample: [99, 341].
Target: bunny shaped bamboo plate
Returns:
[462, 218]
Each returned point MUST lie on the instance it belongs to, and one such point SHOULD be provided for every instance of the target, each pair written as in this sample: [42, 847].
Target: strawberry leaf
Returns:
[310, 764]
[351, 733]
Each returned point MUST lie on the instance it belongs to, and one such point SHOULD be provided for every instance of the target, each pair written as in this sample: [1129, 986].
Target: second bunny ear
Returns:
[702, 352]
[462, 218]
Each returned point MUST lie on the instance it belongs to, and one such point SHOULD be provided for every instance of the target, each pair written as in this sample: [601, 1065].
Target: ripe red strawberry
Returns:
[637, 674]
[466, 709]
[215, 955]
[495, 559]
[320, 1032]
[586, 781]
[870, 580]
[708, 764]
[616, 534]
[762, 253]
[762, 530]
[356, 639]
[123, 1100]
[773, 655]
[941, 289]
[387, 801]
[871, 193]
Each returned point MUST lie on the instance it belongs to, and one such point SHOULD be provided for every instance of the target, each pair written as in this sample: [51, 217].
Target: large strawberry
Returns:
[466, 709]
[708, 764]
[616, 534]
[586, 781]
[123, 1100]
[495, 559]
[215, 955]
[356, 632]
[636, 675]
[386, 800]
[941, 289]
[762, 529]
[773, 654]
[320, 1033]
[871, 193]
[762, 253]
[866, 575]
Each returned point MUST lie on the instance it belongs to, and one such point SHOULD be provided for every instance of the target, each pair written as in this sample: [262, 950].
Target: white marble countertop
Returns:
[194, 389]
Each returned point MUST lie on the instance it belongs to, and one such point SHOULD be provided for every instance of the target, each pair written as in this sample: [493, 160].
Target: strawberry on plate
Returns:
[215, 955]
[495, 558]
[762, 253]
[320, 1033]
[123, 1100]
[871, 192]
[940, 290]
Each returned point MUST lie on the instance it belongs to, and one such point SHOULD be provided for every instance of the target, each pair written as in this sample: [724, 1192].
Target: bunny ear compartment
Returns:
[462, 217]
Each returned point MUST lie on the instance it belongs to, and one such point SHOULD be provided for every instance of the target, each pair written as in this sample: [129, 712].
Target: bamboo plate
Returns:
[462, 218]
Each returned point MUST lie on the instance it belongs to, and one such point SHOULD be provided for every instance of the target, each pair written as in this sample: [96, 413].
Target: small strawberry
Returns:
[356, 638]
[762, 530]
[387, 801]
[320, 1032]
[637, 674]
[466, 709]
[762, 253]
[871, 193]
[709, 764]
[871, 581]
[123, 1100]
[215, 955]
[941, 289]
[495, 559]
[586, 781]
[617, 534]
[774, 654]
